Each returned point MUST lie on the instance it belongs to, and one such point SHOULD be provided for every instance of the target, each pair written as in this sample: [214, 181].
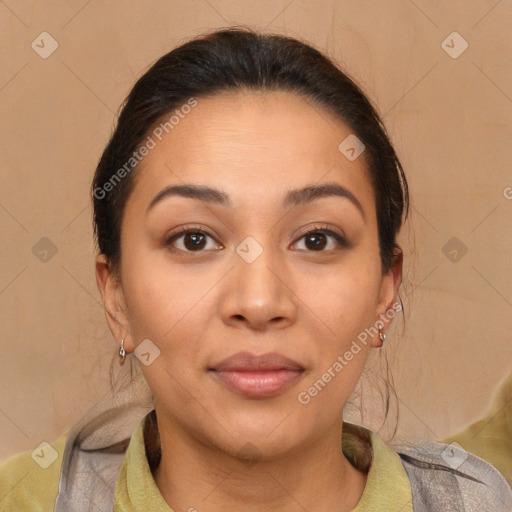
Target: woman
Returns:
[246, 211]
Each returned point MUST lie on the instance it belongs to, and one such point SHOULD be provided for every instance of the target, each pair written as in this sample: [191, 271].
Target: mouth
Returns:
[257, 376]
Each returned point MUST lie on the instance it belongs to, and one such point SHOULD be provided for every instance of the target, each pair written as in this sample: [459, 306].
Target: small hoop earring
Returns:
[382, 335]
[122, 352]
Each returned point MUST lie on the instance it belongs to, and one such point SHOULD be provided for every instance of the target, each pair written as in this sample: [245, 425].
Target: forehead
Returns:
[247, 143]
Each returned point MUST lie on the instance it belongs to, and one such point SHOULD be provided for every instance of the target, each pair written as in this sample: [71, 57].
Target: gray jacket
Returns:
[442, 477]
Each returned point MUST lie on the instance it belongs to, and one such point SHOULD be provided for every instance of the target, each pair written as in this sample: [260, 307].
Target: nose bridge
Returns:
[254, 262]
[257, 290]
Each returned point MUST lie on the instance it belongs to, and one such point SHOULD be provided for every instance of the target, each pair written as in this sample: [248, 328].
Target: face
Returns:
[263, 269]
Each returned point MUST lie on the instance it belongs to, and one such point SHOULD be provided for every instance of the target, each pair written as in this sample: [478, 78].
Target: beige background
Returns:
[449, 119]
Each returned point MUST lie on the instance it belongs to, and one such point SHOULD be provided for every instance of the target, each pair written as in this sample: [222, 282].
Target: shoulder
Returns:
[446, 477]
[29, 480]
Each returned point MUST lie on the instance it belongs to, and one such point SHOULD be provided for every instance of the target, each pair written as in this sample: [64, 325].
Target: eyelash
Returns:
[319, 229]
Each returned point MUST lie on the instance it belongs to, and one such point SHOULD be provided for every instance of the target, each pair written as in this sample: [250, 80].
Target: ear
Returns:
[390, 284]
[111, 291]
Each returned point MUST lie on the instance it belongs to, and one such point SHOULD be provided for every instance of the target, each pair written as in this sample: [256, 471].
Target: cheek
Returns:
[160, 296]
[346, 298]
[173, 309]
[347, 308]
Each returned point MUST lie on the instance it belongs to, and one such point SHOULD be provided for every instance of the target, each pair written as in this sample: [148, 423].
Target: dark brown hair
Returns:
[240, 59]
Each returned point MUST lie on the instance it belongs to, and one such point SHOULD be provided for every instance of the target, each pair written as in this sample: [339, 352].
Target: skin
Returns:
[200, 307]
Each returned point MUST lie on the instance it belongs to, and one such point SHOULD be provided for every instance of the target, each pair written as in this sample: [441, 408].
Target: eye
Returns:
[317, 240]
[191, 240]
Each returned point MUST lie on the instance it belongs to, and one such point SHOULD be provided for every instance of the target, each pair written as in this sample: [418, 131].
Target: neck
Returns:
[192, 476]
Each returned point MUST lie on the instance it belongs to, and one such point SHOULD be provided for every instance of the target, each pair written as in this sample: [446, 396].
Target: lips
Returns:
[257, 376]
[244, 361]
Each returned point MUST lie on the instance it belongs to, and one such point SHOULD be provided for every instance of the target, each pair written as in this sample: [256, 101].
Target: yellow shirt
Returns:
[27, 487]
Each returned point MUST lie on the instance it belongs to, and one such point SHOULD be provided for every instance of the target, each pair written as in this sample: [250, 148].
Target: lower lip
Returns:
[259, 384]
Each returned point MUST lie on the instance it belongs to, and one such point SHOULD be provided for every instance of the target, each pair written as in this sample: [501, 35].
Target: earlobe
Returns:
[111, 292]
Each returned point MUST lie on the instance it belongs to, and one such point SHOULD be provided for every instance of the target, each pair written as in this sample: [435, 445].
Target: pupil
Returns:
[320, 240]
[197, 241]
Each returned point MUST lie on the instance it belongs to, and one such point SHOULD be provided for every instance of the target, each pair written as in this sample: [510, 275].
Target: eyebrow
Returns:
[296, 197]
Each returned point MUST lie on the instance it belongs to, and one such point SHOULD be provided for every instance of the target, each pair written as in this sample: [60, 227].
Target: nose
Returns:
[259, 294]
